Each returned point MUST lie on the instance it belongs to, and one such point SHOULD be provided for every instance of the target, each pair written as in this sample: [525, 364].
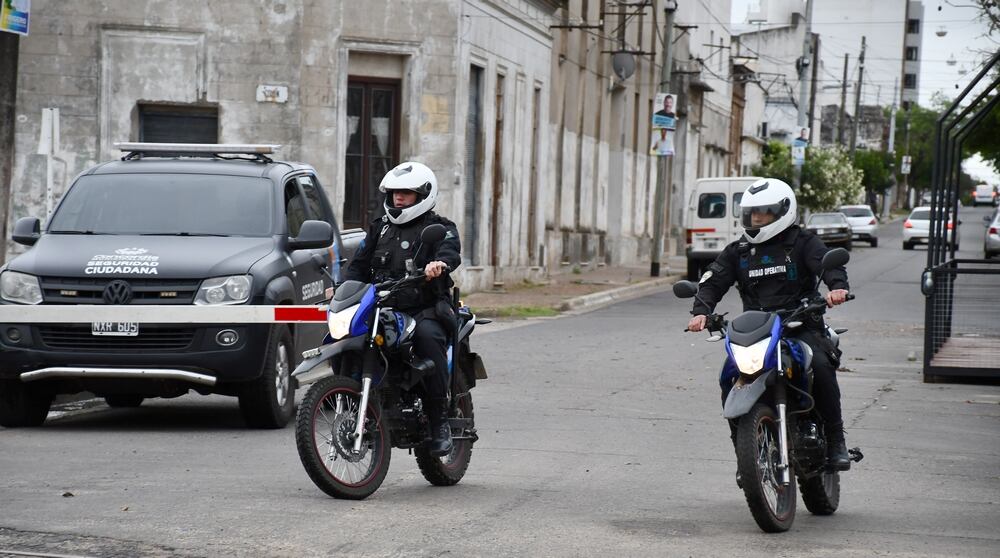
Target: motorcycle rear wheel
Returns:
[758, 456]
[449, 469]
[821, 494]
[323, 427]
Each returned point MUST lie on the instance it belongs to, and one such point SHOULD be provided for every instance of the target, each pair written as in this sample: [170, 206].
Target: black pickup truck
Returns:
[168, 225]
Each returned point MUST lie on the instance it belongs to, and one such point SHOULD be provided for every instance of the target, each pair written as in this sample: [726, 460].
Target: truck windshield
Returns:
[167, 204]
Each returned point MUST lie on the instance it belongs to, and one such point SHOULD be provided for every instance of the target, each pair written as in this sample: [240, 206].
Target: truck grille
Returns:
[74, 290]
[80, 338]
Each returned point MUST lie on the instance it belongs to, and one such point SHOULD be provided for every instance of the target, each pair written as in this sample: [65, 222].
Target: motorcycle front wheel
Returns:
[758, 457]
[324, 437]
[449, 469]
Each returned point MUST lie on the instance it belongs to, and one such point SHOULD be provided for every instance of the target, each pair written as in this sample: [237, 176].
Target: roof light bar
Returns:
[229, 148]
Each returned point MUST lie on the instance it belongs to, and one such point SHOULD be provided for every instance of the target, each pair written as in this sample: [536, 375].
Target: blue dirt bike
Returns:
[780, 436]
[366, 395]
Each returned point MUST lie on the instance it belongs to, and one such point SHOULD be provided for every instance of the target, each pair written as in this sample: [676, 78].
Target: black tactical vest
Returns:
[774, 275]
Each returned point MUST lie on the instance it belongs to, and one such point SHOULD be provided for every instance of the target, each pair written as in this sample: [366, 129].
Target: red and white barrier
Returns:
[159, 314]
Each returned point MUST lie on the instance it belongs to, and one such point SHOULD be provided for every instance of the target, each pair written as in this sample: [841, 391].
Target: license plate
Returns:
[116, 329]
[821, 231]
[711, 245]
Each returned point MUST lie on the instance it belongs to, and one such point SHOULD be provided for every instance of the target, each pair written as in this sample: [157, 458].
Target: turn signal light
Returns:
[950, 226]
[907, 224]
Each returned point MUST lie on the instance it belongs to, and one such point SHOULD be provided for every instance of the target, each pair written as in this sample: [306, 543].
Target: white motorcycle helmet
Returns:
[415, 177]
[768, 195]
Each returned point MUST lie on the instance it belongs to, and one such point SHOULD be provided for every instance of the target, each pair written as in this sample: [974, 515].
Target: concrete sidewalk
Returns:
[574, 289]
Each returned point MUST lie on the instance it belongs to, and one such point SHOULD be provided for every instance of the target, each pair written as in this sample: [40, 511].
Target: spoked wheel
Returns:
[324, 436]
[449, 469]
[759, 456]
[821, 494]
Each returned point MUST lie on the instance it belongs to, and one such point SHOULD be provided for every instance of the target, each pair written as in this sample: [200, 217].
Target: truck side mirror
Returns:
[27, 231]
[313, 234]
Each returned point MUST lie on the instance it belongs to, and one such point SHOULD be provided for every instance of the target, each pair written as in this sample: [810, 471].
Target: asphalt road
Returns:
[601, 434]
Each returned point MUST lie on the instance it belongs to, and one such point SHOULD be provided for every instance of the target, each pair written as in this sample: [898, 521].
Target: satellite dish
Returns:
[623, 63]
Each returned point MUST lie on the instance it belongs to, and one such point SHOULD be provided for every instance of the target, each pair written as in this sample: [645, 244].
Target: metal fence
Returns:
[962, 316]
[962, 325]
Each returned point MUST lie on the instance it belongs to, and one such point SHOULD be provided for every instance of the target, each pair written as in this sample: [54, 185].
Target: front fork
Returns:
[779, 398]
[366, 383]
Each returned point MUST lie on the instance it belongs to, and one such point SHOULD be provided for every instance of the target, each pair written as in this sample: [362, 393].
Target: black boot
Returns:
[732, 436]
[437, 413]
[837, 457]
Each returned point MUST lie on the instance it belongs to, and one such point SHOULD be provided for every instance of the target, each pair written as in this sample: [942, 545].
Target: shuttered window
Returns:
[178, 124]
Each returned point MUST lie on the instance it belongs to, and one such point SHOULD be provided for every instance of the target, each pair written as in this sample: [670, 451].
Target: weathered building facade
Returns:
[349, 87]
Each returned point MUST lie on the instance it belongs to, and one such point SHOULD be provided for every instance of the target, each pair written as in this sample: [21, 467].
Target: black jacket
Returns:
[770, 276]
[387, 247]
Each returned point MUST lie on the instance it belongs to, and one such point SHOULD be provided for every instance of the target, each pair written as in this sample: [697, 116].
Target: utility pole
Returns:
[804, 62]
[857, 98]
[893, 192]
[843, 101]
[664, 163]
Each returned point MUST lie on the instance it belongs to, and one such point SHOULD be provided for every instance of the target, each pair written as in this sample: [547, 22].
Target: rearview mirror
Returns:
[27, 231]
[685, 289]
[836, 258]
[432, 234]
[313, 234]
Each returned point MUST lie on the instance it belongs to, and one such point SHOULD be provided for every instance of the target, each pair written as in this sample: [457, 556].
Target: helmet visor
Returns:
[759, 216]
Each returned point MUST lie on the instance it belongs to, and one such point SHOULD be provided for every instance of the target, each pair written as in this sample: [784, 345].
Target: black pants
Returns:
[431, 341]
[826, 390]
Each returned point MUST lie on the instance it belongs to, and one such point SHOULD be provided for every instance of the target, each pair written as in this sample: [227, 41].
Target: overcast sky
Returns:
[965, 40]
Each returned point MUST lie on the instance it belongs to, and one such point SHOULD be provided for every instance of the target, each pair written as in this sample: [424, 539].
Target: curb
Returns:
[619, 294]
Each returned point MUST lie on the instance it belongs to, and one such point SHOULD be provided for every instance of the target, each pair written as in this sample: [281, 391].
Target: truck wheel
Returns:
[268, 401]
[22, 404]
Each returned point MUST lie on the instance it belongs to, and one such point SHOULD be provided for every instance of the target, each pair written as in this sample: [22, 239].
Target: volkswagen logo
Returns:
[118, 292]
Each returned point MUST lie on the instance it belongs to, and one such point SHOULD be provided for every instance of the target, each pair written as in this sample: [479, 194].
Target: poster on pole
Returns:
[664, 117]
[664, 123]
[799, 146]
[14, 16]
[904, 168]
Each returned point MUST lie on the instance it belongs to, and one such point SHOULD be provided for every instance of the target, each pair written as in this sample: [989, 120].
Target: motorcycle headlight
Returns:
[750, 360]
[340, 322]
[234, 289]
[20, 287]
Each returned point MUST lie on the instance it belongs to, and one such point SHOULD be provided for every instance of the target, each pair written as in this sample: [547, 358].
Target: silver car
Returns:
[864, 224]
[917, 228]
[991, 241]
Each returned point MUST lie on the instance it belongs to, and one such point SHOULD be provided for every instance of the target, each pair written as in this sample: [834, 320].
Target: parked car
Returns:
[926, 198]
[917, 228]
[864, 224]
[984, 195]
[712, 219]
[991, 240]
[832, 228]
[163, 229]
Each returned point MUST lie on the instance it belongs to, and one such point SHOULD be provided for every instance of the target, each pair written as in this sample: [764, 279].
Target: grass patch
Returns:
[518, 312]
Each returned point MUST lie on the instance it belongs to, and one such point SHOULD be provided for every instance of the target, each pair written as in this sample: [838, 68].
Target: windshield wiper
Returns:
[183, 234]
[74, 232]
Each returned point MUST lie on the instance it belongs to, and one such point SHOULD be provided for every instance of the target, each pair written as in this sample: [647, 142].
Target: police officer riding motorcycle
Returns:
[390, 251]
[775, 266]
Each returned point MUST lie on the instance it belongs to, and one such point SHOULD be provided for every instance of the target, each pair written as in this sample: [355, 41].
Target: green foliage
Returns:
[776, 162]
[985, 140]
[829, 180]
[875, 168]
[920, 142]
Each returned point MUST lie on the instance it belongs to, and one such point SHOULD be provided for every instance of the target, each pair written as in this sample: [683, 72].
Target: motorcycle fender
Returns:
[742, 397]
[313, 369]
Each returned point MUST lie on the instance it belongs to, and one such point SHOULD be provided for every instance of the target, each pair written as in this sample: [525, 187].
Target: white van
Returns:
[712, 219]
[985, 194]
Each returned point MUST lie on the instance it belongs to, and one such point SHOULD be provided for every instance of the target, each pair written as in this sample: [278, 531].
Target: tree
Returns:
[920, 139]
[875, 168]
[776, 162]
[985, 139]
[829, 180]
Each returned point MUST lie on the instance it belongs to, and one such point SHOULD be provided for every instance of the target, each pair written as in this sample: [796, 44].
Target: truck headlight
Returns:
[750, 360]
[234, 289]
[20, 287]
[340, 322]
